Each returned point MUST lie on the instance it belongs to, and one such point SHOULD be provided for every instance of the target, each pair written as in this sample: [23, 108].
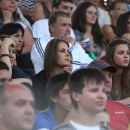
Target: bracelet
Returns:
[5, 55]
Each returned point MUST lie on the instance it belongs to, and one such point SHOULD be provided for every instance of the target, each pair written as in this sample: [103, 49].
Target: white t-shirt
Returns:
[82, 127]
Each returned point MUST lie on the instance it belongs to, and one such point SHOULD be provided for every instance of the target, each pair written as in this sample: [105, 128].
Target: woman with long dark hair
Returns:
[118, 54]
[85, 25]
[56, 57]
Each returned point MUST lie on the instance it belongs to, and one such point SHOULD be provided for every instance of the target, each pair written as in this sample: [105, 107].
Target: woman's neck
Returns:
[88, 29]
[119, 72]
[57, 70]
[118, 84]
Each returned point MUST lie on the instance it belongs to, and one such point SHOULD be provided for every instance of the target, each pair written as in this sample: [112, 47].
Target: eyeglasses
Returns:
[122, 9]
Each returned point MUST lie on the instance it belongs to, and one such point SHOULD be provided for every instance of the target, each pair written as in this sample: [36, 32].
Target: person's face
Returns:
[108, 76]
[12, 52]
[95, 2]
[63, 101]
[93, 97]
[91, 15]
[63, 56]
[67, 7]
[8, 5]
[18, 111]
[69, 67]
[5, 76]
[121, 56]
[120, 8]
[104, 119]
[61, 28]
[128, 26]
[18, 39]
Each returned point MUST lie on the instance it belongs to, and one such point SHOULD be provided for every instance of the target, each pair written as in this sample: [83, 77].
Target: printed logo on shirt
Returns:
[119, 112]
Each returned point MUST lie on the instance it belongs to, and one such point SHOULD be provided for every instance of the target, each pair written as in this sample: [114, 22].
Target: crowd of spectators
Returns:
[64, 65]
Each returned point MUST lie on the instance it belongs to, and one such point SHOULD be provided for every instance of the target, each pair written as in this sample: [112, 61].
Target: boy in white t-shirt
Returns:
[87, 91]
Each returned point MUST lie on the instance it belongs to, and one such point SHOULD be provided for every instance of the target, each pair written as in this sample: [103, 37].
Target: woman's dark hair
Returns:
[122, 24]
[125, 77]
[79, 23]
[11, 28]
[51, 55]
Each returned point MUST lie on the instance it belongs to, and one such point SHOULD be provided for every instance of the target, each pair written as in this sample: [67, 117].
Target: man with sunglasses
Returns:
[115, 10]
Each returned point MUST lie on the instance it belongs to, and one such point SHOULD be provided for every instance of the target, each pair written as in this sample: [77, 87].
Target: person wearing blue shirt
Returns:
[59, 102]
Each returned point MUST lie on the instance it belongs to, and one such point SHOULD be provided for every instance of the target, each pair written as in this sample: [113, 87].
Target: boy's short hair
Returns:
[54, 85]
[56, 3]
[82, 77]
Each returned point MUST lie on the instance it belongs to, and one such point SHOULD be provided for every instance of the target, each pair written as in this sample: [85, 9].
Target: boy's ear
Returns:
[75, 96]
[111, 12]
[54, 9]
[54, 99]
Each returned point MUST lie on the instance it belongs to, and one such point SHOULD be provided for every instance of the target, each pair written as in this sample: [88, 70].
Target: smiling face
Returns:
[18, 39]
[8, 5]
[121, 56]
[91, 15]
[63, 56]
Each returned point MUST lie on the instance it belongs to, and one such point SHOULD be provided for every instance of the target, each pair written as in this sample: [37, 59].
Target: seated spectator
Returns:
[42, 10]
[117, 54]
[119, 113]
[115, 10]
[8, 14]
[40, 28]
[54, 63]
[59, 102]
[57, 30]
[87, 91]
[7, 55]
[103, 18]
[16, 32]
[16, 107]
[123, 26]
[87, 27]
